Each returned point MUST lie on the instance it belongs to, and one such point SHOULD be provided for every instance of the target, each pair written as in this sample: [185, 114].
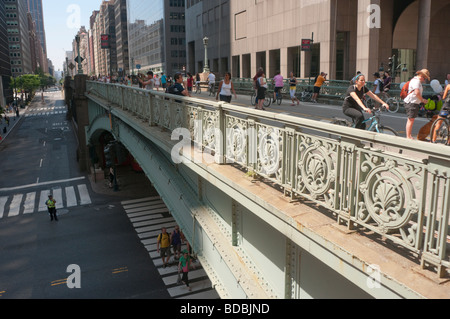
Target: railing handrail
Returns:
[359, 175]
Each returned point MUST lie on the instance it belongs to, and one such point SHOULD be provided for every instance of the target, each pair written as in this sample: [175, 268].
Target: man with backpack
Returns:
[163, 243]
[378, 86]
[178, 88]
[414, 98]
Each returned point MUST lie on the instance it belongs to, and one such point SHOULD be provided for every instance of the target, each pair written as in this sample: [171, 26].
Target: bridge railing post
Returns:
[221, 145]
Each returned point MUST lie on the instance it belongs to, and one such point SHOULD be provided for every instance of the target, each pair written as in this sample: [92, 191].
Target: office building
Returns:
[347, 36]
[35, 8]
[157, 35]
[18, 37]
[5, 65]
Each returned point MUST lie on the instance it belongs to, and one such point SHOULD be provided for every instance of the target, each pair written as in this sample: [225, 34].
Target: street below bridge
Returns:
[95, 250]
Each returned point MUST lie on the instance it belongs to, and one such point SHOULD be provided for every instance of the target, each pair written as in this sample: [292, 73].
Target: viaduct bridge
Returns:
[278, 206]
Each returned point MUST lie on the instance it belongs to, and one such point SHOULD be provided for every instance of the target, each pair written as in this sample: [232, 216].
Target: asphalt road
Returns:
[323, 112]
[93, 246]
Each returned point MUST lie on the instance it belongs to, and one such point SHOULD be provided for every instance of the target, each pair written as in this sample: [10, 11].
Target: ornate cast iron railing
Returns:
[391, 186]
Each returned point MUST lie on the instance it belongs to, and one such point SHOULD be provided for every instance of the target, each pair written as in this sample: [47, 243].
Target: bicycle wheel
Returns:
[440, 132]
[393, 105]
[387, 130]
[305, 96]
[267, 100]
[279, 98]
[253, 99]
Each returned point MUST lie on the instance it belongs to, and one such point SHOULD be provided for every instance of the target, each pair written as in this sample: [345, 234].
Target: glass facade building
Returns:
[156, 35]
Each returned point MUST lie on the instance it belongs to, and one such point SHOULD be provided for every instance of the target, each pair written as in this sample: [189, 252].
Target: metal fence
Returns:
[396, 188]
[331, 89]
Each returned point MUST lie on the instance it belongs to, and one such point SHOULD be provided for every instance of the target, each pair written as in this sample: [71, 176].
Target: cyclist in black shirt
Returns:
[353, 105]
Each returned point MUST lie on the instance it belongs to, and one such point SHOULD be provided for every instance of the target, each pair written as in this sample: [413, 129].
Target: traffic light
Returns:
[109, 155]
[391, 64]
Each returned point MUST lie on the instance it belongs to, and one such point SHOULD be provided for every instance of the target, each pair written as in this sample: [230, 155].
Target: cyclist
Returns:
[278, 80]
[353, 104]
[262, 88]
[293, 88]
[212, 81]
[445, 111]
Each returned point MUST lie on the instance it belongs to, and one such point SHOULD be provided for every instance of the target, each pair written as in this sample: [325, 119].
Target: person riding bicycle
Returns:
[211, 81]
[353, 104]
[278, 81]
[444, 113]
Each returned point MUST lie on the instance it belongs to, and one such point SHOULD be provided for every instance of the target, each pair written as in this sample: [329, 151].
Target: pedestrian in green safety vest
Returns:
[51, 206]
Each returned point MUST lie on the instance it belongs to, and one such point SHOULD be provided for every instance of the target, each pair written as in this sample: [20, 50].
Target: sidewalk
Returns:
[6, 128]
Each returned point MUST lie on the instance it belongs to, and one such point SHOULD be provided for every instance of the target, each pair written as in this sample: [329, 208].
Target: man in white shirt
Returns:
[211, 81]
[414, 99]
[149, 82]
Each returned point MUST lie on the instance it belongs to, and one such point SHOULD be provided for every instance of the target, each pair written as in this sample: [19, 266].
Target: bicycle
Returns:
[267, 100]
[393, 102]
[279, 97]
[305, 95]
[198, 89]
[440, 131]
[374, 120]
[211, 88]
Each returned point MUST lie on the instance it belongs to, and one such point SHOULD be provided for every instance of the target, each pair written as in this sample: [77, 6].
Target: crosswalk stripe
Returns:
[3, 201]
[29, 203]
[71, 197]
[194, 274]
[84, 194]
[126, 202]
[156, 202]
[148, 212]
[15, 205]
[57, 195]
[140, 226]
[147, 218]
[155, 233]
[181, 290]
[42, 199]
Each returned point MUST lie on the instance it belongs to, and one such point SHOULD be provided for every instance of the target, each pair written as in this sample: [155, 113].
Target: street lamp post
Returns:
[206, 65]
[79, 60]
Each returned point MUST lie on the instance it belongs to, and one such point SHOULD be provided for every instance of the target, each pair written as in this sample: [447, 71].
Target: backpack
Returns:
[160, 237]
[405, 91]
[171, 89]
[257, 83]
[381, 85]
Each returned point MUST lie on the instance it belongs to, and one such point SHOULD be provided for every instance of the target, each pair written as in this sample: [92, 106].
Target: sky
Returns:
[62, 20]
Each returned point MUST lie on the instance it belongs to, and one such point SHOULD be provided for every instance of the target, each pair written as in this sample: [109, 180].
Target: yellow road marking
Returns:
[119, 270]
[59, 282]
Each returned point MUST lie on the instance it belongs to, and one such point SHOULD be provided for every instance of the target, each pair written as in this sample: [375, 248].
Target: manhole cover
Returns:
[62, 211]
